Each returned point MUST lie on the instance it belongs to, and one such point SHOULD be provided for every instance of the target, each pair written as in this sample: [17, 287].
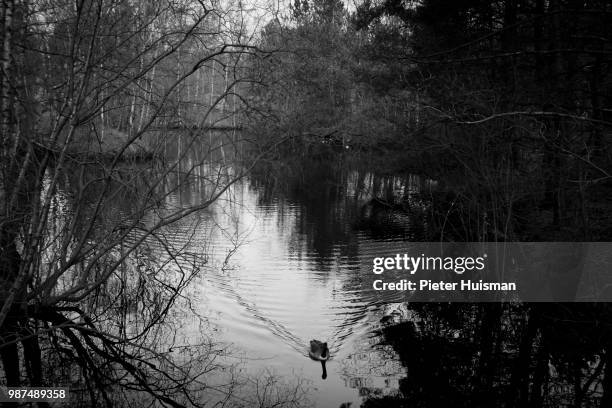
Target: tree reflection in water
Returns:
[510, 355]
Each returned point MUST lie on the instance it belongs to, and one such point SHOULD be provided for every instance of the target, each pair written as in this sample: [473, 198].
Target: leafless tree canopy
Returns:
[91, 92]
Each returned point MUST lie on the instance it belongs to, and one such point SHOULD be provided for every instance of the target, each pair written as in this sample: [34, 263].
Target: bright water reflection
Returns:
[296, 238]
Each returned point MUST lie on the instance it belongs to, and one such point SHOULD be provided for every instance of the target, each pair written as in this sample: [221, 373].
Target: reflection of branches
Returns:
[271, 392]
[78, 221]
[91, 344]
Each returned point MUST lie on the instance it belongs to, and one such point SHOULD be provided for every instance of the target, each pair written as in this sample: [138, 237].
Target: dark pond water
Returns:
[296, 233]
[280, 260]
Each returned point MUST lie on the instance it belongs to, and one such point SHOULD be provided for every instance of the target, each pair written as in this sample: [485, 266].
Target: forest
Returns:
[124, 122]
[508, 100]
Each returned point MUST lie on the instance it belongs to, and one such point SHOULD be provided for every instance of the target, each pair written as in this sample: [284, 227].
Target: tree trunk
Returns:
[606, 400]
[519, 387]
[488, 335]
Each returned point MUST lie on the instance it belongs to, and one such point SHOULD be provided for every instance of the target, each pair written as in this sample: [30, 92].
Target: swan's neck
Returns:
[324, 376]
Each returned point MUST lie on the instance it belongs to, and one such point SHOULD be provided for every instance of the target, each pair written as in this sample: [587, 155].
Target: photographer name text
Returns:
[413, 264]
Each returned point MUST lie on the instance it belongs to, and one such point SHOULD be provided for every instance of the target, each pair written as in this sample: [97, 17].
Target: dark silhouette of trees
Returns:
[507, 104]
[518, 90]
[510, 97]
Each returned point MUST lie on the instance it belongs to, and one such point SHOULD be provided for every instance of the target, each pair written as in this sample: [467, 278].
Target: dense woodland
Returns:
[506, 104]
[507, 101]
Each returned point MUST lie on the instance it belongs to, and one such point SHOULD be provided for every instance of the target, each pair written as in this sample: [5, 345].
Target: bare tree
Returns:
[88, 92]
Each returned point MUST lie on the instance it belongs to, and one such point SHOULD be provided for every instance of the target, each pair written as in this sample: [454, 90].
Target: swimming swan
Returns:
[319, 352]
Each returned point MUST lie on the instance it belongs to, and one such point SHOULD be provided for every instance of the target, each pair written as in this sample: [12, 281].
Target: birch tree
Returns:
[83, 86]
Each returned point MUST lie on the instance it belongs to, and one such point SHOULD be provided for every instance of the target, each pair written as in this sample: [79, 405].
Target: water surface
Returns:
[284, 253]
